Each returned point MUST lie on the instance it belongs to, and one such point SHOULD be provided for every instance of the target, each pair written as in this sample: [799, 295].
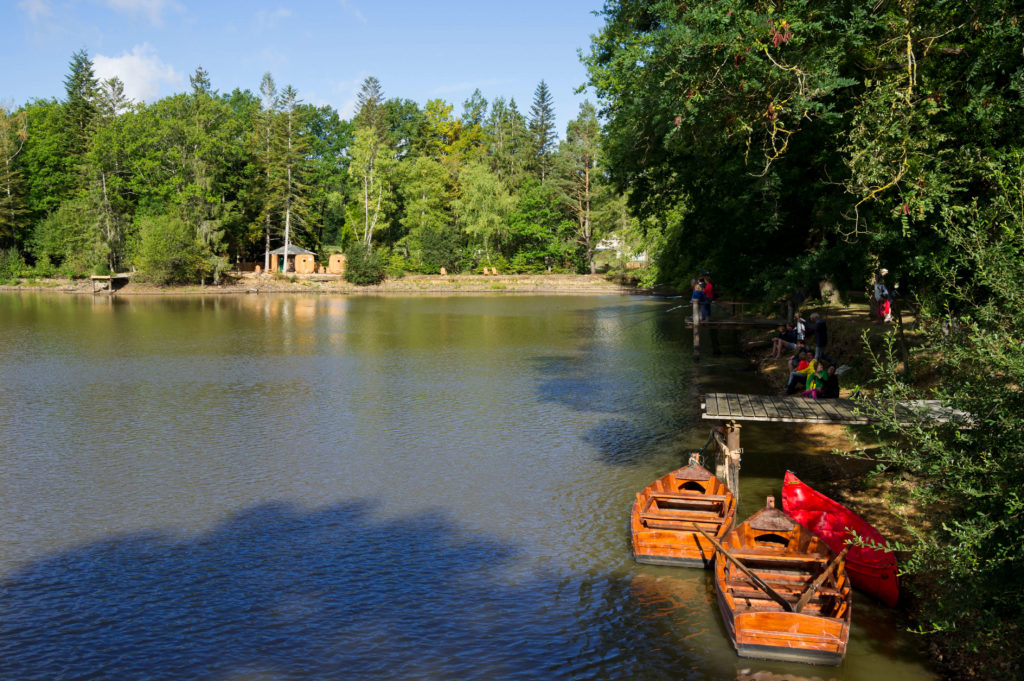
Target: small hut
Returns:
[300, 261]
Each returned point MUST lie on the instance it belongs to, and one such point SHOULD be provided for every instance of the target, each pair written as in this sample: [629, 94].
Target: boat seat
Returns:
[748, 556]
[694, 496]
[679, 518]
[743, 586]
[758, 602]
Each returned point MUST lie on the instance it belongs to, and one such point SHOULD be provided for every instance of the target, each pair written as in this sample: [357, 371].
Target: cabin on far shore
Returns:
[300, 261]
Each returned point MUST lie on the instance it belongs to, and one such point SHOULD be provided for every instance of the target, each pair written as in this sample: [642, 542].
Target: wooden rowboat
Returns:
[871, 570]
[783, 594]
[664, 514]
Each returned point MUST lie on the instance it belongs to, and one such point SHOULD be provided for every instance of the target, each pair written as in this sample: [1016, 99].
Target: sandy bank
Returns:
[249, 283]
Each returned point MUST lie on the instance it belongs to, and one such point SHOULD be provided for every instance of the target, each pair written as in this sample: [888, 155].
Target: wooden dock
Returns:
[796, 409]
[108, 282]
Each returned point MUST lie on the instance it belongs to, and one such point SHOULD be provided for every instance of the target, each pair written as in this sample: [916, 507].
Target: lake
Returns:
[421, 487]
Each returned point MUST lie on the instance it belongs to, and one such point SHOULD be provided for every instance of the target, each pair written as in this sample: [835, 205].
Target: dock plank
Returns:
[792, 409]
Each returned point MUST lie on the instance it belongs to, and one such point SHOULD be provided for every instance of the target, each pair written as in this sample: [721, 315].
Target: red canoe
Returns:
[870, 570]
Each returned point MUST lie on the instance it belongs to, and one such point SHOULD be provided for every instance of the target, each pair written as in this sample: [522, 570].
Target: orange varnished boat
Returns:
[807, 617]
[664, 514]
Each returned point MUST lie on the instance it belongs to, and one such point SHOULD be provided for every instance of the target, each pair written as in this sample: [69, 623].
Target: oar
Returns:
[758, 582]
[806, 595]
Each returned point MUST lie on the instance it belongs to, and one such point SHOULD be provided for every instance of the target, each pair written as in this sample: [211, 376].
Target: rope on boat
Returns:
[700, 452]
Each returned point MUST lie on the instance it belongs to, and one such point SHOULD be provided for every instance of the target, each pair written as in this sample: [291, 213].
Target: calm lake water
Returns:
[287, 487]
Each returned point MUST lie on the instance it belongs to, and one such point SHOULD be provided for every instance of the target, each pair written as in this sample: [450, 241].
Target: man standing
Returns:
[820, 338]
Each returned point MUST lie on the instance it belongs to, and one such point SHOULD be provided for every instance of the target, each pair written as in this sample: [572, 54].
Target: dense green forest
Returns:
[181, 189]
[777, 143]
[783, 143]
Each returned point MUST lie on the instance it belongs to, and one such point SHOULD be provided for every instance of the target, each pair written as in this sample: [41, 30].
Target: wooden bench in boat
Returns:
[825, 638]
[780, 559]
[689, 496]
[682, 517]
[741, 589]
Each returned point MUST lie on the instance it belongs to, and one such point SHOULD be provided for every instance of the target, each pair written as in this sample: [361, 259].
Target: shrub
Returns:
[11, 265]
[44, 268]
[365, 266]
[169, 252]
[397, 266]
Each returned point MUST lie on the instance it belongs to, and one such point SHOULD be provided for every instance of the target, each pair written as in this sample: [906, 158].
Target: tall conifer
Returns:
[542, 130]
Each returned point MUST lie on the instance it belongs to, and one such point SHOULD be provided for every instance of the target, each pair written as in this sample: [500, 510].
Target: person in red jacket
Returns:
[709, 295]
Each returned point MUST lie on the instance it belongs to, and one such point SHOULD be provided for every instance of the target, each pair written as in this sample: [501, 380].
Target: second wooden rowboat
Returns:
[667, 511]
[872, 570]
[783, 594]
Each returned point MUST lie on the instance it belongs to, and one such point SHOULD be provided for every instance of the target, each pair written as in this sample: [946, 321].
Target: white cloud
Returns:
[351, 7]
[266, 19]
[36, 9]
[153, 8]
[141, 71]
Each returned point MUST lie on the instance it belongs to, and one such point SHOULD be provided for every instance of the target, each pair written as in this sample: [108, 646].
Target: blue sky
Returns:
[325, 48]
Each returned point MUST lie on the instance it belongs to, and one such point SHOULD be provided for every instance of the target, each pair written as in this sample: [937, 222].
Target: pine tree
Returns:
[80, 87]
[265, 122]
[288, 190]
[579, 158]
[507, 141]
[370, 106]
[542, 130]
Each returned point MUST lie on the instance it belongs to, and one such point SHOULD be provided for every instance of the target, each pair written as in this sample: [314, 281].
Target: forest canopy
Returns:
[185, 187]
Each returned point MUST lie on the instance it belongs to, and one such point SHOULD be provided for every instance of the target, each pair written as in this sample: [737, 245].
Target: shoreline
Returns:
[249, 284]
[850, 481]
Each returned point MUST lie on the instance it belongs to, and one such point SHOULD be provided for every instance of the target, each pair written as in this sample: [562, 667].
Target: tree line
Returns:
[786, 144]
[183, 188]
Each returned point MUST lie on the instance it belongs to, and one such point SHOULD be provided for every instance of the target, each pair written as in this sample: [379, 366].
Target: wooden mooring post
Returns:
[727, 456]
[696, 330]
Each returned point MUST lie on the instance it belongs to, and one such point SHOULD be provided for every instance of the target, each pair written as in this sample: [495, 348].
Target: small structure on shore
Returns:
[300, 261]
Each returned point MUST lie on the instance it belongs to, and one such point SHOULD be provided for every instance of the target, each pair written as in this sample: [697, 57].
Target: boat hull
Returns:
[872, 571]
[787, 637]
[790, 560]
[666, 512]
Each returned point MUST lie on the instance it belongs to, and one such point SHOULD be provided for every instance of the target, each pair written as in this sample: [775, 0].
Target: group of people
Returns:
[811, 371]
[704, 293]
[811, 377]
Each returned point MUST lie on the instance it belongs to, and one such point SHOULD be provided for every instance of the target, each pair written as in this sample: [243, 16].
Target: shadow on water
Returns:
[275, 592]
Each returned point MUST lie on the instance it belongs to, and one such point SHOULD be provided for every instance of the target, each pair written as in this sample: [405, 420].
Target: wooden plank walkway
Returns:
[796, 409]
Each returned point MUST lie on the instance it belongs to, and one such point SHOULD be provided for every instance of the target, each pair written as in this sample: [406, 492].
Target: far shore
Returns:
[251, 283]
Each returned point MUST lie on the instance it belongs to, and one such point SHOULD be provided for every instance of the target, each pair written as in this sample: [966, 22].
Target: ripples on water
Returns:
[308, 488]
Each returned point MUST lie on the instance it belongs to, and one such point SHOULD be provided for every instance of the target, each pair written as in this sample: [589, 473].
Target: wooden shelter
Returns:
[300, 261]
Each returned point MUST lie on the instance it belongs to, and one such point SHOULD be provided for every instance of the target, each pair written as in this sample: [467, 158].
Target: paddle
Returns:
[758, 582]
[806, 595]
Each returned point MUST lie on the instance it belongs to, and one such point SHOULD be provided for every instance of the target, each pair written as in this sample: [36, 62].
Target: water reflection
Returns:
[310, 487]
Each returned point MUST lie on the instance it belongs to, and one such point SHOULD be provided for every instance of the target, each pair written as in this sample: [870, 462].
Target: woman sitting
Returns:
[816, 382]
[830, 391]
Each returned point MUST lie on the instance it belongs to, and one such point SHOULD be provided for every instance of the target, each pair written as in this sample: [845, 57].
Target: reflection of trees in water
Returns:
[279, 592]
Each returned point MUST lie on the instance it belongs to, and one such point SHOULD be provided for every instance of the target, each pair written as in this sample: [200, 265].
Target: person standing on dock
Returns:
[698, 293]
[709, 296]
